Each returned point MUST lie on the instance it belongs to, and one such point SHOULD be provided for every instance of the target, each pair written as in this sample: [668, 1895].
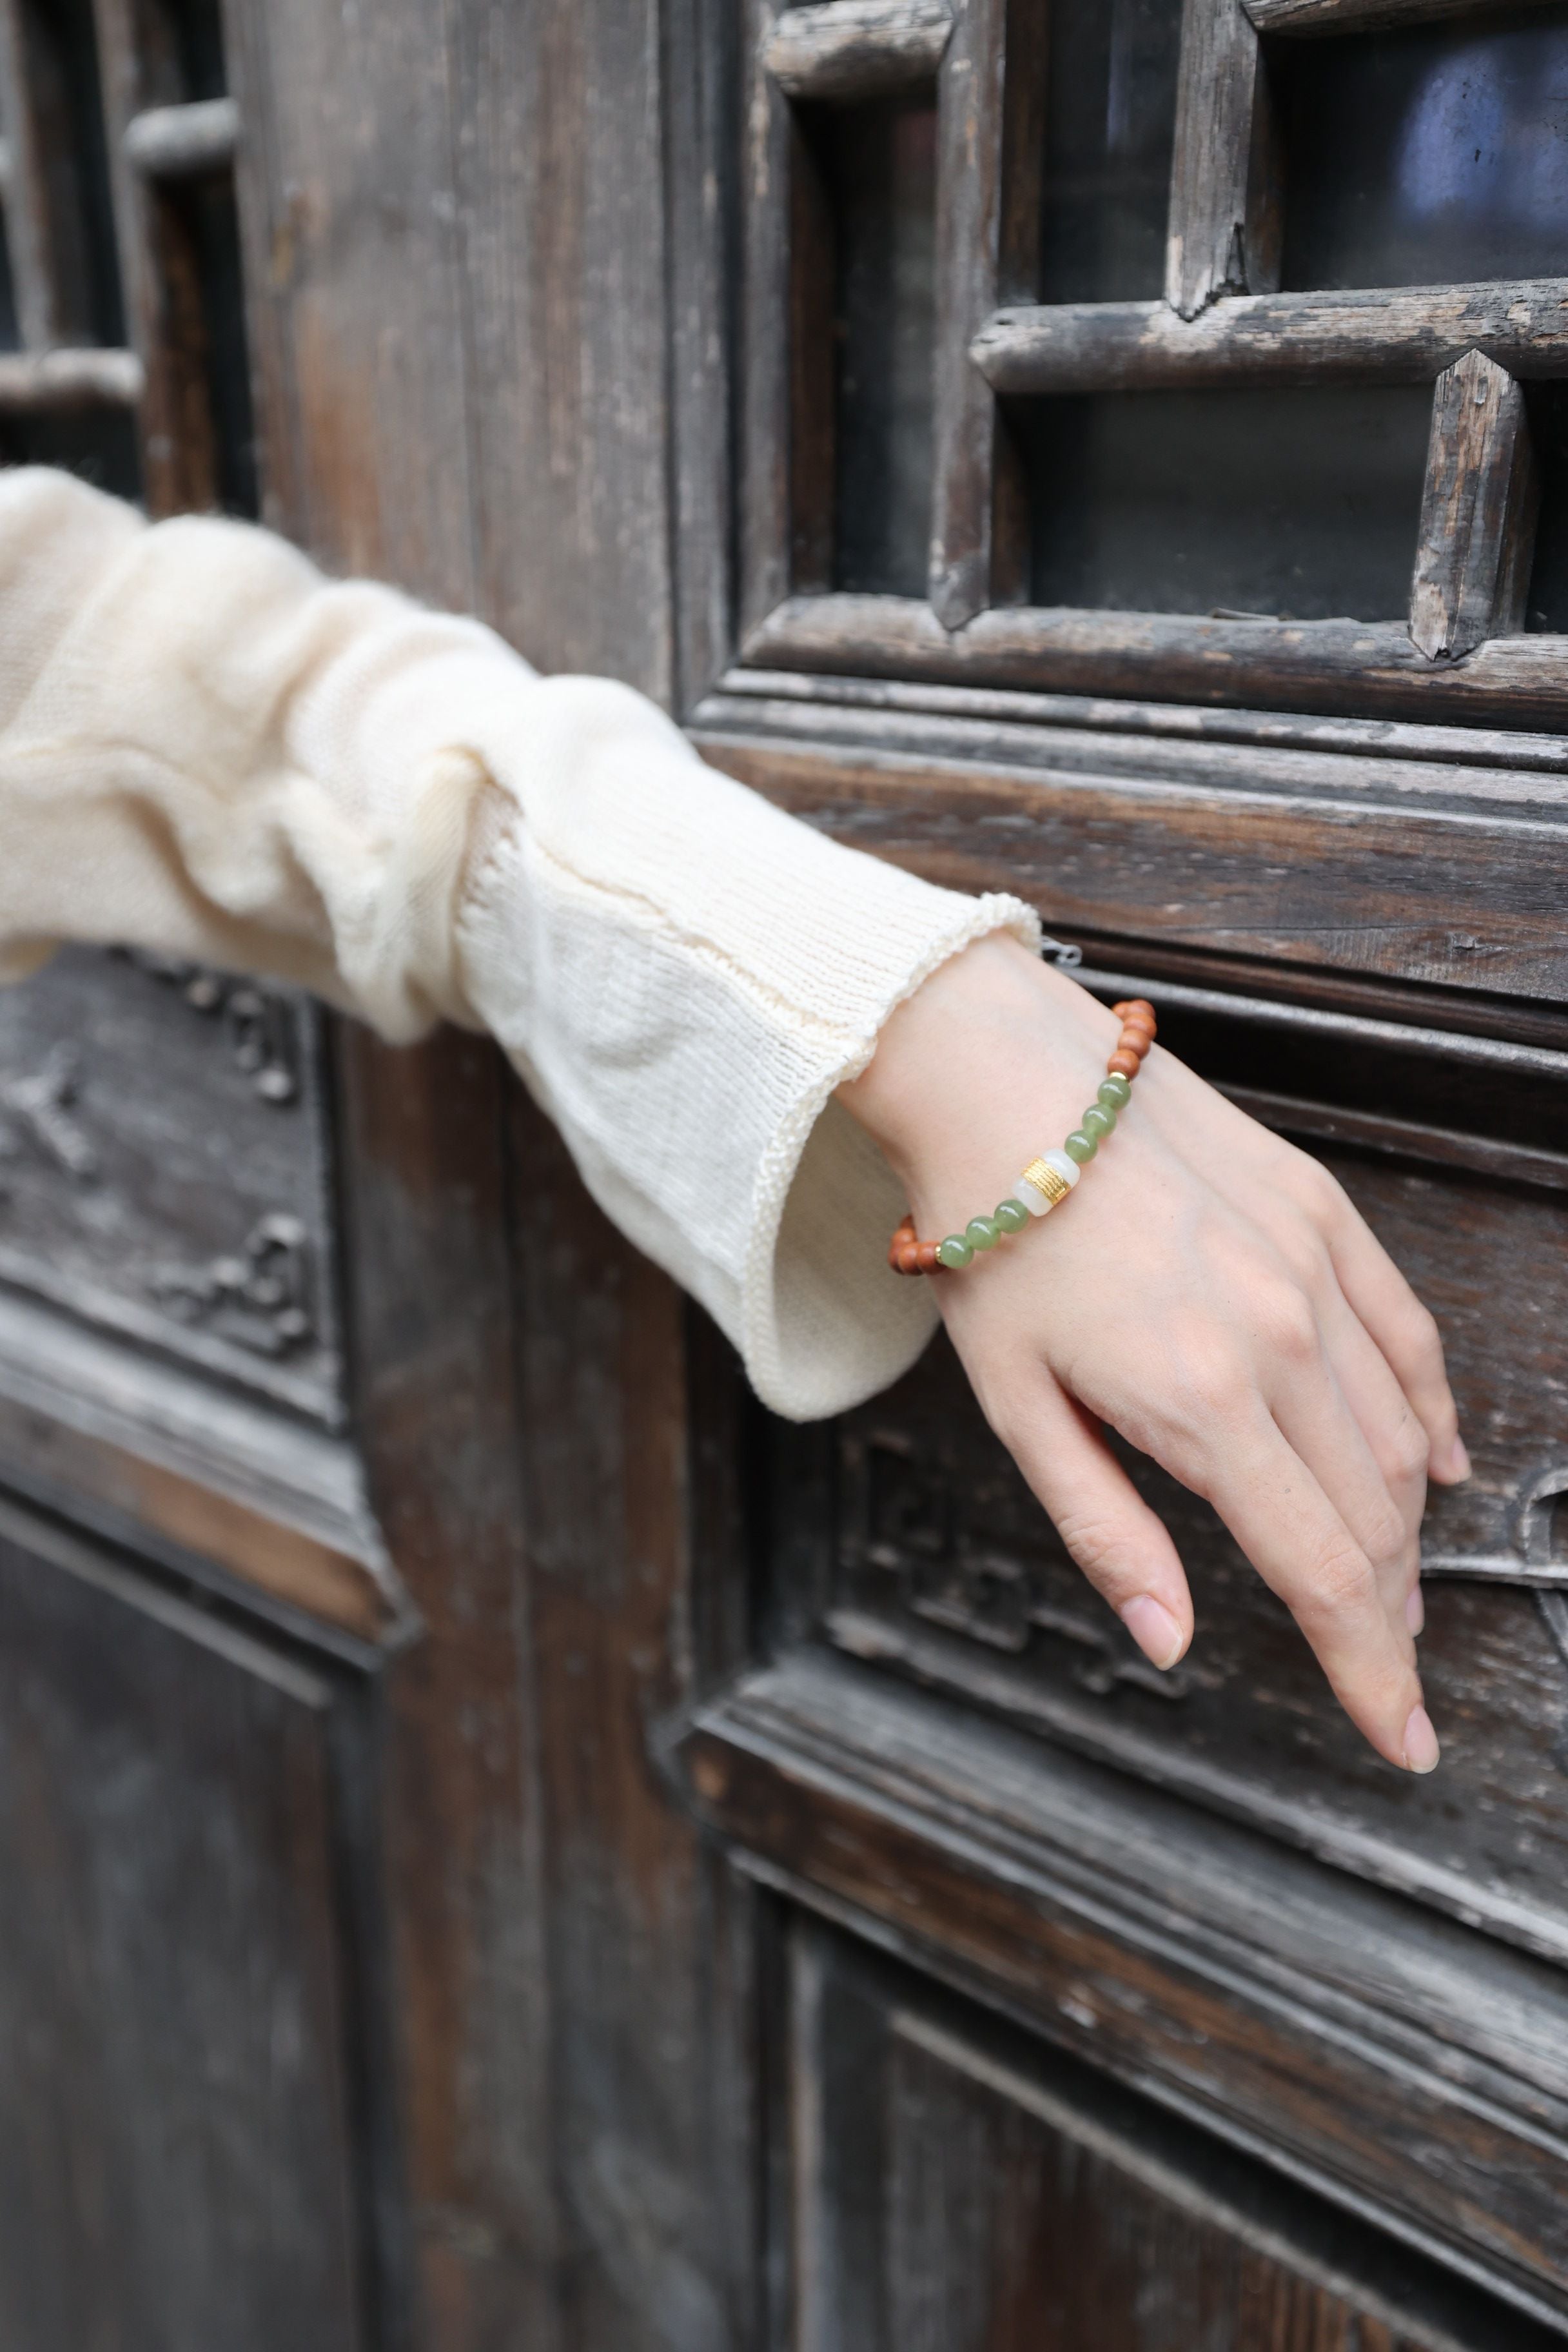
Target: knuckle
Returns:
[1388, 1539]
[1342, 1584]
[1288, 1325]
[1407, 1453]
[1212, 1377]
[1097, 1542]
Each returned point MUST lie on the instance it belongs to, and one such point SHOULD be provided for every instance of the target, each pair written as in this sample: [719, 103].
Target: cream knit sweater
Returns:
[207, 749]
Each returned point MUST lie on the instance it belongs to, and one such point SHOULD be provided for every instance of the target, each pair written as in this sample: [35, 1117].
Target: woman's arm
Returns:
[1210, 1294]
[760, 1047]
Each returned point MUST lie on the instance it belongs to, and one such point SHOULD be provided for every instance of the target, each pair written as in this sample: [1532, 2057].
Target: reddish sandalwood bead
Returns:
[910, 1258]
[1135, 1041]
[1123, 1064]
[1136, 1008]
[929, 1261]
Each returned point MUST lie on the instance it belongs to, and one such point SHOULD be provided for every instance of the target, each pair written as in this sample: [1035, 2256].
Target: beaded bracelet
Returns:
[1047, 1181]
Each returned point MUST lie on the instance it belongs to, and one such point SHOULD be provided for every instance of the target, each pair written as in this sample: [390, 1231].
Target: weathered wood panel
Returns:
[1410, 892]
[179, 2165]
[1280, 2004]
[163, 1169]
[962, 2192]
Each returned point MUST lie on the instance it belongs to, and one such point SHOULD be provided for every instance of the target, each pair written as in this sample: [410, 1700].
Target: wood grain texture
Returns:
[177, 2144]
[1387, 889]
[428, 1296]
[1143, 1944]
[1478, 514]
[846, 50]
[1366, 669]
[1406, 334]
[1225, 220]
[1143, 1940]
[561, 1946]
[1354, 15]
[968, 228]
[1009, 2199]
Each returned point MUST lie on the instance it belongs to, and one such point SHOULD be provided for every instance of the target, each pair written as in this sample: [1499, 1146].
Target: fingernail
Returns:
[1421, 1748]
[1154, 1630]
[1457, 1462]
[1415, 1609]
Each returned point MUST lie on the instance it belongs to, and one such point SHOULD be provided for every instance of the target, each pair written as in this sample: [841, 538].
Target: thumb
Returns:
[1112, 1533]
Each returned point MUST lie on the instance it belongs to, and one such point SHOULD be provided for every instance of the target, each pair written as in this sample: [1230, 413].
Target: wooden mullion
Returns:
[66, 383]
[1364, 668]
[968, 258]
[849, 50]
[764, 520]
[1225, 216]
[46, 273]
[1320, 16]
[1479, 514]
[1396, 335]
[160, 272]
[1023, 149]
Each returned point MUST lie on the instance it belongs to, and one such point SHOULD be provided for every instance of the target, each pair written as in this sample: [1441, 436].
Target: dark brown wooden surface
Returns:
[177, 2140]
[991, 2205]
[1387, 885]
[538, 1715]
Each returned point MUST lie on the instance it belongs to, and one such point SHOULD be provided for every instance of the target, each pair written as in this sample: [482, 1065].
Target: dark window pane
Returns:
[100, 447]
[1301, 503]
[10, 336]
[1546, 607]
[203, 217]
[1111, 117]
[58, 44]
[1427, 157]
[198, 34]
[881, 169]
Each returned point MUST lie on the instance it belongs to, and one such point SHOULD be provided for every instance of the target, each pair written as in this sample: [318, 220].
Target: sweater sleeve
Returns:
[207, 749]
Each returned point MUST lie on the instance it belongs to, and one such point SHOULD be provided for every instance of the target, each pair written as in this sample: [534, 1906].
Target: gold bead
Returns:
[1046, 1179]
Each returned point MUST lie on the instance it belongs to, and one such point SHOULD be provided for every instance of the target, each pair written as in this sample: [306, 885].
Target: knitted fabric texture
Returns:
[208, 750]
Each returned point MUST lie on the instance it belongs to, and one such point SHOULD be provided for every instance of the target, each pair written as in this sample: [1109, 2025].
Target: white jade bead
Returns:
[1035, 1202]
[1068, 1170]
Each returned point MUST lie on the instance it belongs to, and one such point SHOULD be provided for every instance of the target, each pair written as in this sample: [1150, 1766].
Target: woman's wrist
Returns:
[995, 1056]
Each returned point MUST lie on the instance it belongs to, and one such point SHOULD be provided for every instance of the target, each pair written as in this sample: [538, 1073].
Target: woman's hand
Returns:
[1210, 1293]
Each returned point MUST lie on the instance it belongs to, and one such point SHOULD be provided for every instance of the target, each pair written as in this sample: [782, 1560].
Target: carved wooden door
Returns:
[505, 1846]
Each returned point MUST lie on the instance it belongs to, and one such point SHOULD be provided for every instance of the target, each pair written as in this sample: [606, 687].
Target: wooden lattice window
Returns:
[121, 331]
[1122, 346]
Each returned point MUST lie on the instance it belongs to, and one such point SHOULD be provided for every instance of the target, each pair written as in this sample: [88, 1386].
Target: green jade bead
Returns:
[1098, 1121]
[1115, 1092]
[1080, 1146]
[954, 1253]
[981, 1232]
[1011, 1215]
